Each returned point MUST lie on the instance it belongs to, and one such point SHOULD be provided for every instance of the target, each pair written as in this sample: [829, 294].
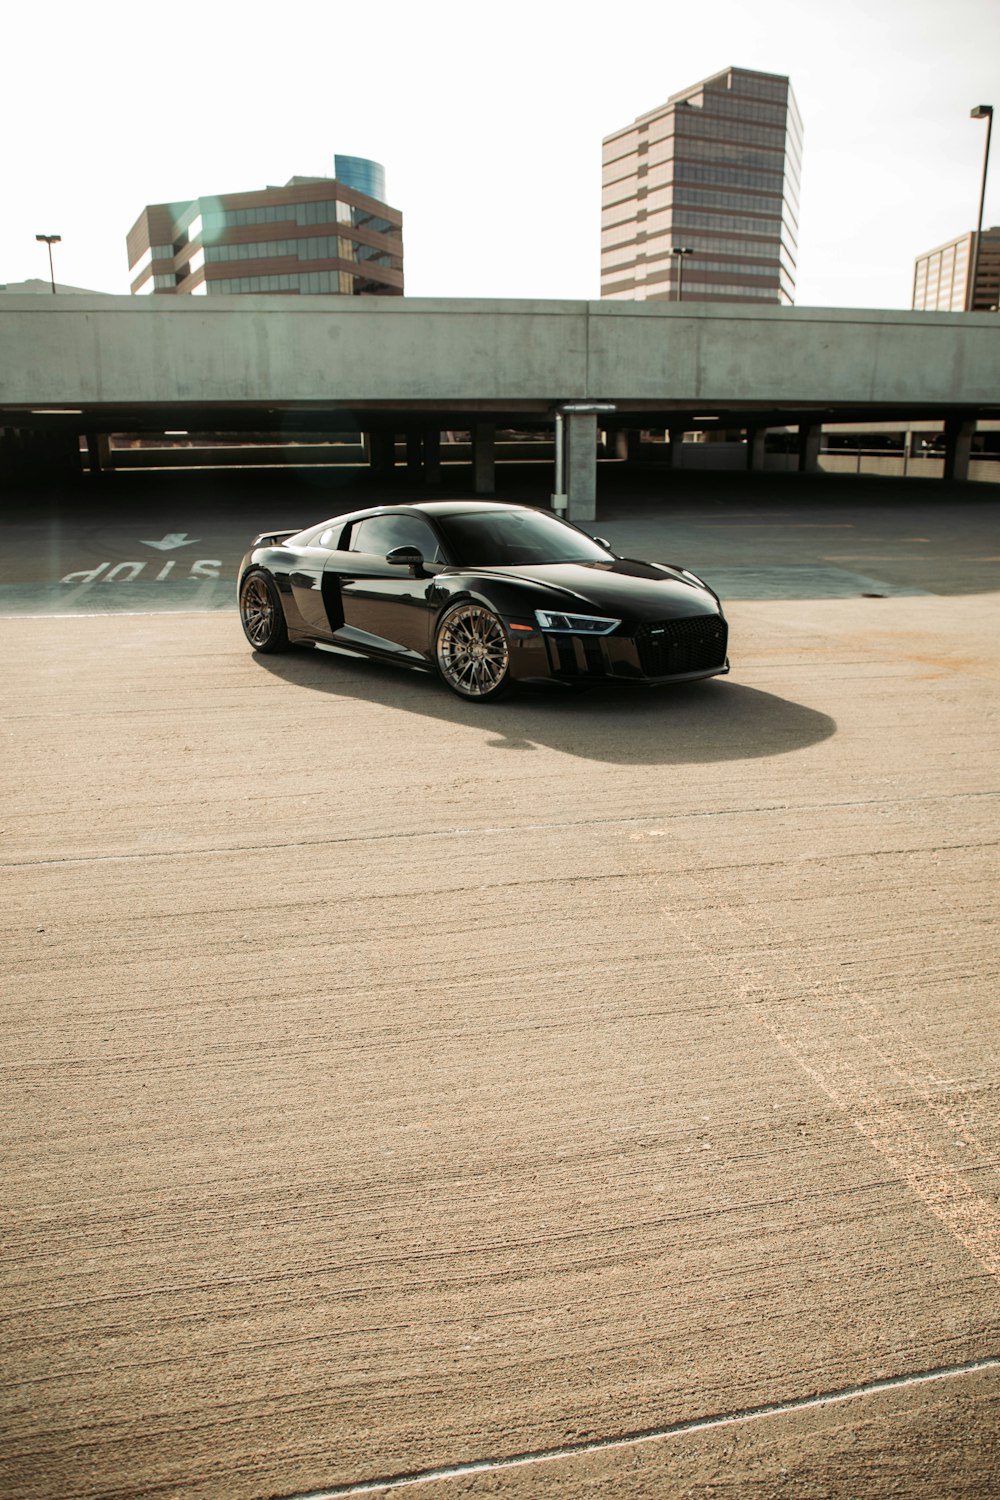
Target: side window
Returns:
[330, 537]
[380, 534]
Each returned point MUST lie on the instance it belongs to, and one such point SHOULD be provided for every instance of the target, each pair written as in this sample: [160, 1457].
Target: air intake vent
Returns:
[670, 648]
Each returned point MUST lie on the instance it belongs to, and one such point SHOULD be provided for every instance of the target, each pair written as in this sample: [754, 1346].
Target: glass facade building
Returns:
[941, 277]
[358, 172]
[314, 235]
[715, 171]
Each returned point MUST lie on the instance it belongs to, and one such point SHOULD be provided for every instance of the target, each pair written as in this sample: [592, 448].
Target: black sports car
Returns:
[488, 594]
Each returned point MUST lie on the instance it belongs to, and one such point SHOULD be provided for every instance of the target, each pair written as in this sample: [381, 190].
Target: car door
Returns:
[306, 580]
[384, 606]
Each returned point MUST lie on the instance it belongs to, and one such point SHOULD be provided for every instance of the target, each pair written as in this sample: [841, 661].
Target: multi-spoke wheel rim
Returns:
[257, 609]
[472, 651]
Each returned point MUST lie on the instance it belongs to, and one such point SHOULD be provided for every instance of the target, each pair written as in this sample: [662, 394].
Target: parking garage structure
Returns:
[398, 372]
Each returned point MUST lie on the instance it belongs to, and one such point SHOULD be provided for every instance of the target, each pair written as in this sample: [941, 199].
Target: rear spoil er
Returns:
[273, 538]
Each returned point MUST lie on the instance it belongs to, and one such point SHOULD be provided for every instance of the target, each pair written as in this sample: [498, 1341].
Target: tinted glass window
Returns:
[380, 534]
[331, 536]
[507, 538]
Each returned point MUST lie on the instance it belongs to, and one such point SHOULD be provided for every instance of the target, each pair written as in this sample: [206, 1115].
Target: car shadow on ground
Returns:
[703, 722]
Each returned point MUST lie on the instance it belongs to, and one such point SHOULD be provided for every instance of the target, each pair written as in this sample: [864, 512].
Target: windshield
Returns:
[502, 538]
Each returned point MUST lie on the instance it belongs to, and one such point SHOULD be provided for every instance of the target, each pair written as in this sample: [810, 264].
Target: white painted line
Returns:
[647, 1435]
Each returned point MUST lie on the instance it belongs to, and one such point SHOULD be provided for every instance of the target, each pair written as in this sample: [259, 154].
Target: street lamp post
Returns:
[50, 240]
[981, 112]
[680, 251]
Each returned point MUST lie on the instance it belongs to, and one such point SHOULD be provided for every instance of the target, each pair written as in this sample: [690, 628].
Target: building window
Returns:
[155, 252]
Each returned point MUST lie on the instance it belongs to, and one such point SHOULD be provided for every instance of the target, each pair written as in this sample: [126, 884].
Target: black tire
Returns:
[261, 614]
[472, 652]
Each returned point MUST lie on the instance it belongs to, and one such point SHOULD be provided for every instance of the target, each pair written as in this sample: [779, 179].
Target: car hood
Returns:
[620, 587]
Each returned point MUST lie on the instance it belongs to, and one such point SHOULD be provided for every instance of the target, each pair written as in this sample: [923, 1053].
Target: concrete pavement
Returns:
[394, 1086]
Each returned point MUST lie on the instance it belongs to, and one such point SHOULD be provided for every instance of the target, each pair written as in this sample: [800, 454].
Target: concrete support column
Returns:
[810, 436]
[382, 450]
[432, 456]
[627, 445]
[484, 457]
[581, 465]
[672, 453]
[9, 451]
[756, 447]
[414, 453]
[51, 456]
[958, 435]
[98, 452]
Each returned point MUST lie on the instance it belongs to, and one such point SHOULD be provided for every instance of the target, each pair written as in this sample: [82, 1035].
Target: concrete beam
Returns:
[322, 351]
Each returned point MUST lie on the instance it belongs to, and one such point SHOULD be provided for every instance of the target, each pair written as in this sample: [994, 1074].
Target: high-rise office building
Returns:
[712, 174]
[941, 277]
[315, 234]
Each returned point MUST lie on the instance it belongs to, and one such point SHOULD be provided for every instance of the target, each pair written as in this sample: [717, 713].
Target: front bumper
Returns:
[660, 651]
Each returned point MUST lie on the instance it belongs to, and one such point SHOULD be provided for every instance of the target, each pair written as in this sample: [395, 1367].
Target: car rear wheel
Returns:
[261, 613]
[472, 652]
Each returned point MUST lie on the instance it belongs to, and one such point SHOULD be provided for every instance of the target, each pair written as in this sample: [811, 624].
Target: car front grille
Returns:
[669, 648]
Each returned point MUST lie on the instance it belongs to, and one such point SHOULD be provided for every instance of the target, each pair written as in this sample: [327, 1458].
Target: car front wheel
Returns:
[472, 652]
[261, 613]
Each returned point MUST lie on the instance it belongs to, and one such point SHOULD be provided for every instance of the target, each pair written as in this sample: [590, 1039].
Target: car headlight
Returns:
[552, 620]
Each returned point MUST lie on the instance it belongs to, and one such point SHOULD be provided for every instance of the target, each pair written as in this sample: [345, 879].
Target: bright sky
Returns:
[488, 120]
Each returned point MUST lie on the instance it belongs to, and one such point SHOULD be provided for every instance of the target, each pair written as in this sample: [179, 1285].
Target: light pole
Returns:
[50, 240]
[680, 251]
[981, 112]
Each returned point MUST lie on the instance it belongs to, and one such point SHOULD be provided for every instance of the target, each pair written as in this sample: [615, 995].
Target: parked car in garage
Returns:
[485, 594]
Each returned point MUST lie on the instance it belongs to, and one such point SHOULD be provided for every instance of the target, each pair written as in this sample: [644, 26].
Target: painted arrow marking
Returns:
[171, 540]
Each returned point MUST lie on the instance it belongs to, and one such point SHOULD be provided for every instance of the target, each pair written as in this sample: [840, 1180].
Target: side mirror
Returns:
[406, 557]
[603, 542]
